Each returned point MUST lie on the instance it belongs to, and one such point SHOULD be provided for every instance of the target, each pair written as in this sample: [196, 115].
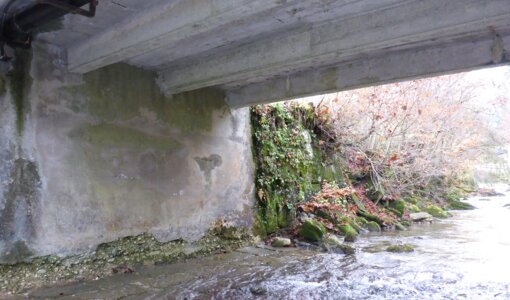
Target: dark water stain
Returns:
[20, 82]
[207, 165]
[19, 217]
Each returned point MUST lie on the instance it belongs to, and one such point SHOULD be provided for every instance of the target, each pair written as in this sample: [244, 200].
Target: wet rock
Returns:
[349, 232]
[347, 249]
[312, 230]
[436, 211]
[373, 227]
[331, 242]
[374, 248]
[507, 205]
[400, 227]
[459, 205]
[488, 192]
[484, 199]
[304, 216]
[401, 248]
[281, 242]
[420, 217]
[307, 246]
[258, 290]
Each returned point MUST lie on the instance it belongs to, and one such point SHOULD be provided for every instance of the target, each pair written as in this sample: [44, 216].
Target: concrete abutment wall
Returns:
[87, 159]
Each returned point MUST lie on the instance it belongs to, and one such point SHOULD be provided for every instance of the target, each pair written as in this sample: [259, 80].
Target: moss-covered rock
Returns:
[312, 230]
[373, 227]
[347, 249]
[413, 208]
[330, 242]
[400, 227]
[411, 200]
[459, 205]
[349, 233]
[436, 211]
[400, 248]
[398, 206]
[289, 165]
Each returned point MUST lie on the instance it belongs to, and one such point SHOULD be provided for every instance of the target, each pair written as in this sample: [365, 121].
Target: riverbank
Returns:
[462, 257]
[313, 186]
[122, 256]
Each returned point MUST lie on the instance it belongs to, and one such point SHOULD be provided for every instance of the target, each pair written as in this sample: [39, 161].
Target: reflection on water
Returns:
[464, 257]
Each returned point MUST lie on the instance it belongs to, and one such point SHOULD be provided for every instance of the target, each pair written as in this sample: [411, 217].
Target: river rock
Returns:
[400, 227]
[488, 192]
[258, 290]
[312, 230]
[459, 205]
[400, 248]
[331, 242]
[373, 227]
[420, 216]
[436, 211]
[398, 206]
[349, 232]
[281, 242]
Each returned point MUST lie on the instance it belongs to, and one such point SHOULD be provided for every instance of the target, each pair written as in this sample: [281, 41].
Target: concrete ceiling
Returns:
[254, 45]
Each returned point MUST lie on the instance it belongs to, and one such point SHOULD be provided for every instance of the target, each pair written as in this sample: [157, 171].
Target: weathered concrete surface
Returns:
[290, 48]
[107, 155]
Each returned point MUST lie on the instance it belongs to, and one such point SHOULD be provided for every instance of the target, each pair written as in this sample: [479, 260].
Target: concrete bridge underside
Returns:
[92, 149]
[267, 50]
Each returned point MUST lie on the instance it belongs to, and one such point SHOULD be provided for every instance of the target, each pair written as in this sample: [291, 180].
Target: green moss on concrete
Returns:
[119, 256]
[121, 92]
[20, 82]
[108, 135]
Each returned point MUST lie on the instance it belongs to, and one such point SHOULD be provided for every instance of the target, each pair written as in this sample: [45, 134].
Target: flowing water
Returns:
[464, 257]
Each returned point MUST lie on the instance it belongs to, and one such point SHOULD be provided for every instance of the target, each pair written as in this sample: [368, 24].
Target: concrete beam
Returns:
[411, 24]
[150, 29]
[391, 67]
[157, 37]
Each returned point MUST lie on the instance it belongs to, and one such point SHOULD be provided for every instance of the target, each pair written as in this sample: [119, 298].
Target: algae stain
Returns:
[329, 78]
[109, 135]
[207, 165]
[20, 82]
[120, 92]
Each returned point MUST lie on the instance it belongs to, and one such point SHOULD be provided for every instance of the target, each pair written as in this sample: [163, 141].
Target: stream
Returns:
[466, 256]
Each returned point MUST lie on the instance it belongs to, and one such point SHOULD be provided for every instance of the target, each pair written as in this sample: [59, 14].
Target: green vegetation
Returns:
[120, 256]
[310, 182]
[288, 167]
